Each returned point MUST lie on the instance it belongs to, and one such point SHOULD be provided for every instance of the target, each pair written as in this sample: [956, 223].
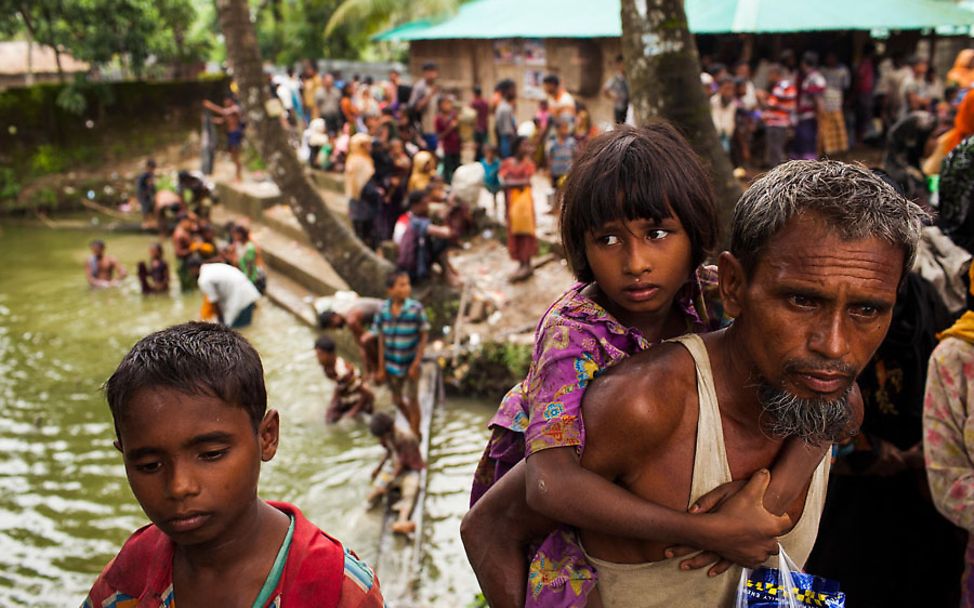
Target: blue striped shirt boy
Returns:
[400, 334]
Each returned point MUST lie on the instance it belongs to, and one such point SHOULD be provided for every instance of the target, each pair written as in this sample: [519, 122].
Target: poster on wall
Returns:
[532, 88]
[534, 52]
[506, 51]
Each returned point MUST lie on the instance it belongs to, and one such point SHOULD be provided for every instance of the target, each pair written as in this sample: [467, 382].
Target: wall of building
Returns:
[583, 65]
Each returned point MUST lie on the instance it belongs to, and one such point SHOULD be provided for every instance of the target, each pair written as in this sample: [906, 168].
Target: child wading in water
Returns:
[402, 447]
[351, 397]
[637, 221]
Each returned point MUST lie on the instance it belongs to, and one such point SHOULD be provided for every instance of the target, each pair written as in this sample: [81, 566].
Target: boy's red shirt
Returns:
[319, 572]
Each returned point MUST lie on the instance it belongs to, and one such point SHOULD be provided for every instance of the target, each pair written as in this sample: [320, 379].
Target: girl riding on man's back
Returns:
[638, 220]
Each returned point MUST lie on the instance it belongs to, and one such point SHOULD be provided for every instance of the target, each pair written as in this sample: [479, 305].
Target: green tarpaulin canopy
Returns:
[600, 19]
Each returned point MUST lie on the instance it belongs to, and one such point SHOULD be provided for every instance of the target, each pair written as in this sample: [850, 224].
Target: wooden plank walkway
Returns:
[399, 559]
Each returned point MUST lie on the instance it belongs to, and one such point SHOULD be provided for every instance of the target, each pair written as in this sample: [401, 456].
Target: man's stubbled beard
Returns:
[814, 420]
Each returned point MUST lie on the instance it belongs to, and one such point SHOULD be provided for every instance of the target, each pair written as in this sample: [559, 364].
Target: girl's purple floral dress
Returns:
[576, 341]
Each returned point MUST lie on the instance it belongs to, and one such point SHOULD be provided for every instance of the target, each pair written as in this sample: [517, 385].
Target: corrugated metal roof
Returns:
[588, 19]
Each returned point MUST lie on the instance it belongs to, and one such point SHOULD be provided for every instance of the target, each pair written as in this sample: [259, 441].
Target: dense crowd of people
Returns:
[402, 150]
[807, 396]
[802, 107]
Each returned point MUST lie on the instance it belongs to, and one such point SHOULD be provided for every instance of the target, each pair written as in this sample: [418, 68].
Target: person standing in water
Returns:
[103, 270]
[154, 274]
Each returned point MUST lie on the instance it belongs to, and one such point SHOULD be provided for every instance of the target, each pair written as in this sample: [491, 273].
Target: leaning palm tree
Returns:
[362, 270]
[380, 14]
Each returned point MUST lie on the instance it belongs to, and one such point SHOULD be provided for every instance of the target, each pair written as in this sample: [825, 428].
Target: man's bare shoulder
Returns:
[647, 391]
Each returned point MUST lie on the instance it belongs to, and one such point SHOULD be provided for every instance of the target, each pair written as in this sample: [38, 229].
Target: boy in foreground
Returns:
[192, 424]
[402, 447]
[402, 328]
[351, 396]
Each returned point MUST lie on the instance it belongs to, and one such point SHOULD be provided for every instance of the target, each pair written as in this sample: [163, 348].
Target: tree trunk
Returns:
[663, 70]
[361, 268]
[29, 79]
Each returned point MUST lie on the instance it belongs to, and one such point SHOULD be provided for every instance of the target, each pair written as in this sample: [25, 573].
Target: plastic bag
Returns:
[786, 587]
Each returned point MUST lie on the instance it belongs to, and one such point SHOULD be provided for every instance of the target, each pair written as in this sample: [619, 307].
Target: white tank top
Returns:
[662, 584]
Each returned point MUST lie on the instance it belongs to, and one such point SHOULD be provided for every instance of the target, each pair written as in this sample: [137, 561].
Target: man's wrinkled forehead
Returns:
[811, 242]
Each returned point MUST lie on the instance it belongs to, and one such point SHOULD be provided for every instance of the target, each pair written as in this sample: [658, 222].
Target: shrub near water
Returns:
[48, 159]
[9, 186]
[493, 369]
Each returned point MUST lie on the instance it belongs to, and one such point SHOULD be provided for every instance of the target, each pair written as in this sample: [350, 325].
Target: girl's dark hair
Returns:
[516, 144]
[193, 358]
[637, 173]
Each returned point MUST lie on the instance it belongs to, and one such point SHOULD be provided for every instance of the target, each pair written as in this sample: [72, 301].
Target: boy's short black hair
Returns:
[97, 243]
[194, 358]
[393, 276]
[551, 79]
[416, 197]
[151, 163]
[325, 344]
[477, 90]
[631, 173]
[381, 424]
[427, 67]
[325, 318]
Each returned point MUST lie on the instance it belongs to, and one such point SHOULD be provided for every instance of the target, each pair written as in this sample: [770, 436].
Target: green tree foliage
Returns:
[375, 15]
[101, 31]
[289, 31]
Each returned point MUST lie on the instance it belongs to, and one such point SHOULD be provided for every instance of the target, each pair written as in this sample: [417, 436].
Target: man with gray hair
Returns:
[818, 250]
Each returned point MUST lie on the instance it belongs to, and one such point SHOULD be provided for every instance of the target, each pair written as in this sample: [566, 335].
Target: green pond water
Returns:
[65, 506]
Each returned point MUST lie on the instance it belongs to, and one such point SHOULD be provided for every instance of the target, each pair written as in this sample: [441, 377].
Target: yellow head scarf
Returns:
[963, 329]
[359, 167]
[421, 175]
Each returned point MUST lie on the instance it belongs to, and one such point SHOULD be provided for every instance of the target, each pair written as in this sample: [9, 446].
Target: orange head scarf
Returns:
[962, 73]
[963, 122]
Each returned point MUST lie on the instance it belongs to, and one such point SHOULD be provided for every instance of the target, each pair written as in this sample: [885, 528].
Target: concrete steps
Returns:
[332, 182]
[291, 296]
[299, 262]
[280, 219]
[249, 198]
